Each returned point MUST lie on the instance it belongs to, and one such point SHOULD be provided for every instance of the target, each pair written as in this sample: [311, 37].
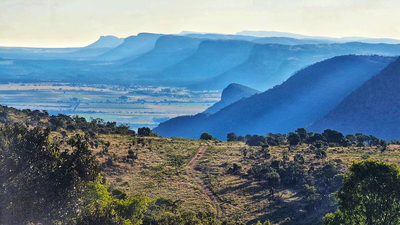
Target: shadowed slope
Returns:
[211, 59]
[298, 102]
[374, 108]
[231, 94]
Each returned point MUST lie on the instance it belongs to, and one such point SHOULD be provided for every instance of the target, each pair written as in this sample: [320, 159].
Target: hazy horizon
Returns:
[73, 23]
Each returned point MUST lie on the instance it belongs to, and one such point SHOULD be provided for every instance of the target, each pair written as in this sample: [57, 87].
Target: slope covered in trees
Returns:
[373, 108]
[301, 100]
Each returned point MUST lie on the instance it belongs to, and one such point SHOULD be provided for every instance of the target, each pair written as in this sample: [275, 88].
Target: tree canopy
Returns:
[370, 195]
[206, 136]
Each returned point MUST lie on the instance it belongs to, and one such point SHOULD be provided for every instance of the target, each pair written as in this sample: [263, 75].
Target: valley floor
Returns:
[137, 106]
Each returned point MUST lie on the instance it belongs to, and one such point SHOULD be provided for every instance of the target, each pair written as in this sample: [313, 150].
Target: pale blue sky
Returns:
[52, 23]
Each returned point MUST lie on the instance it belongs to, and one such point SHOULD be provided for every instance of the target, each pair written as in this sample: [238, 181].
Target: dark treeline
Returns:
[329, 138]
[65, 123]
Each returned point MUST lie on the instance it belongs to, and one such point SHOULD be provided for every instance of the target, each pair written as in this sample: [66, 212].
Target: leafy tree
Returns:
[334, 136]
[361, 138]
[351, 137]
[384, 145]
[302, 133]
[255, 140]
[373, 141]
[144, 131]
[206, 136]
[258, 171]
[232, 137]
[298, 158]
[276, 164]
[102, 206]
[316, 137]
[273, 178]
[241, 138]
[370, 195]
[320, 154]
[294, 139]
[40, 182]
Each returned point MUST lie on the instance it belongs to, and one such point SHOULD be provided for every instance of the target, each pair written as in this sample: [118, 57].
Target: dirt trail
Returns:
[191, 173]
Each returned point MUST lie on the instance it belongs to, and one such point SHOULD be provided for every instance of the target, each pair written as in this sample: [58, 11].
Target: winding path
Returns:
[191, 173]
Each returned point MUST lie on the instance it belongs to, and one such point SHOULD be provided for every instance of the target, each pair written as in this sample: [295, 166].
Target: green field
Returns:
[137, 106]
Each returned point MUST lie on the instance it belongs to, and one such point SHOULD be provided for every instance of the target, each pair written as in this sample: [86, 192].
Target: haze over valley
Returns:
[183, 112]
[148, 78]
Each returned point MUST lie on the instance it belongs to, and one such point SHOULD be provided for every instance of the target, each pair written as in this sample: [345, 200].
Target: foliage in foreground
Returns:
[39, 181]
[370, 195]
[52, 181]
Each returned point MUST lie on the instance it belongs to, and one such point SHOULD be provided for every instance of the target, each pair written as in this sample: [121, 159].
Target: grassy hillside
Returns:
[238, 183]
[159, 171]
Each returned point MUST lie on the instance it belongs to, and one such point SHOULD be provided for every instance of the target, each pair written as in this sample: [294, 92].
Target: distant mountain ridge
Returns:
[132, 46]
[168, 50]
[234, 92]
[374, 108]
[211, 58]
[334, 40]
[271, 64]
[106, 42]
[298, 102]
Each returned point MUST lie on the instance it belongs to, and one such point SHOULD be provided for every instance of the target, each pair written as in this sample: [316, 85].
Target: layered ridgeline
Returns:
[373, 108]
[259, 40]
[301, 100]
[102, 45]
[132, 47]
[271, 64]
[212, 57]
[168, 50]
[262, 34]
[155, 59]
[232, 93]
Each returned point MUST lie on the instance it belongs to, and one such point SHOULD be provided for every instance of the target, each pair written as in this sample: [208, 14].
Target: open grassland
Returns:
[137, 106]
[156, 166]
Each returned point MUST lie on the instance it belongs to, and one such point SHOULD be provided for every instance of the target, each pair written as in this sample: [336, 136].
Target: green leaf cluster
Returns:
[370, 195]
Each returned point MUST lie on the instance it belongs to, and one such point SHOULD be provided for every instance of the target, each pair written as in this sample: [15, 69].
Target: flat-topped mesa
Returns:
[108, 41]
[133, 46]
[168, 50]
[175, 42]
